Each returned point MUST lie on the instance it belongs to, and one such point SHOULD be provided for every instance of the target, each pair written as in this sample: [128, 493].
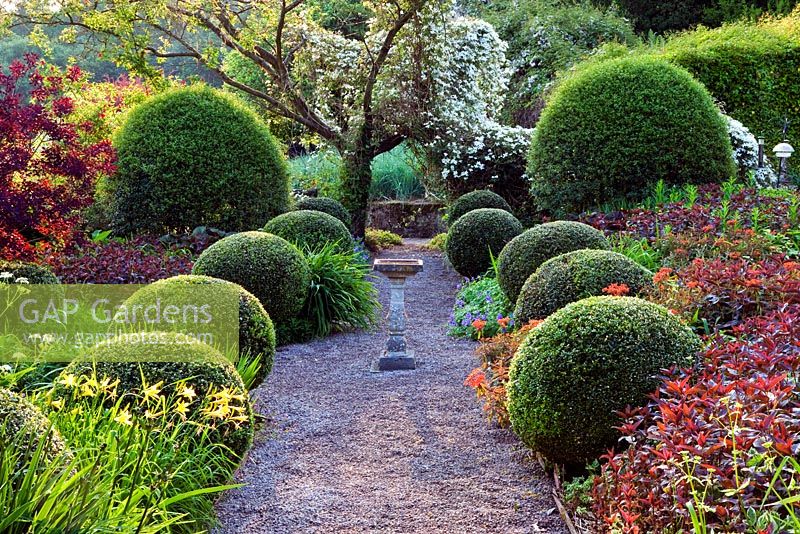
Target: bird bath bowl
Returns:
[396, 356]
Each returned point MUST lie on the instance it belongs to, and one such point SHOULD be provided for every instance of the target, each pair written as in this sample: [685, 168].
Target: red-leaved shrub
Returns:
[712, 439]
[724, 292]
[47, 173]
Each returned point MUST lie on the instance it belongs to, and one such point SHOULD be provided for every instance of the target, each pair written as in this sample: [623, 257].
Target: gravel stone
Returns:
[348, 450]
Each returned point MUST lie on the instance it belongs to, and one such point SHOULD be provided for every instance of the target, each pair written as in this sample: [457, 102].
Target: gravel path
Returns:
[347, 450]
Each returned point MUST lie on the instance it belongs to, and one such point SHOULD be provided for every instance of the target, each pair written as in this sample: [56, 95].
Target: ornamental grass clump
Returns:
[266, 265]
[585, 363]
[576, 275]
[525, 253]
[477, 237]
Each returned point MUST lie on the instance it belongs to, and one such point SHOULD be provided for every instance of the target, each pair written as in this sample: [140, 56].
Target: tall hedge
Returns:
[196, 156]
[750, 68]
[614, 128]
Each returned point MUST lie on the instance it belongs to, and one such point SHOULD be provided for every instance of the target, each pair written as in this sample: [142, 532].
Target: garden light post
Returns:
[783, 151]
[396, 356]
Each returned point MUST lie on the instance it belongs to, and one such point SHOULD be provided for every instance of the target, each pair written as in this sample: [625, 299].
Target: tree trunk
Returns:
[355, 184]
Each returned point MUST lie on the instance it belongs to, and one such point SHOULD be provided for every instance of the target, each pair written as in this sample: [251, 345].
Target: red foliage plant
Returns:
[140, 260]
[713, 439]
[726, 292]
[46, 173]
[490, 379]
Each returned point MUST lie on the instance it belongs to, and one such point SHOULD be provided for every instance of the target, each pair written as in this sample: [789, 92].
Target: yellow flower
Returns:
[152, 392]
[220, 412]
[150, 415]
[187, 392]
[68, 380]
[76, 410]
[124, 418]
[57, 403]
[181, 408]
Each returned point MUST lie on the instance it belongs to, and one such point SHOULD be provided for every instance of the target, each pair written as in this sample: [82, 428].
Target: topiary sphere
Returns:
[615, 128]
[474, 200]
[325, 205]
[24, 425]
[310, 230]
[586, 362]
[477, 236]
[526, 252]
[166, 357]
[266, 265]
[256, 331]
[574, 276]
[196, 156]
[34, 274]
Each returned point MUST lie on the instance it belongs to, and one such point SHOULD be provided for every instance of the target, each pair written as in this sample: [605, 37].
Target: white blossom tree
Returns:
[418, 72]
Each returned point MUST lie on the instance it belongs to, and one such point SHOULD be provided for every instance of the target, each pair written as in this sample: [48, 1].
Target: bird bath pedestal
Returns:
[396, 356]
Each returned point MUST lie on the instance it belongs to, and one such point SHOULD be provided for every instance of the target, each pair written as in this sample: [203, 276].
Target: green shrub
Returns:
[376, 239]
[574, 276]
[438, 243]
[195, 156]
[34, 274]
[169, 363]
[325, 205]
[586, 362]
[256, 331]
[23, 423]
[341, 295]
[310, 230]
[266, 265]
[614, 128]
[526, 252]
[475, 200]
[478, 236]
[750, 67]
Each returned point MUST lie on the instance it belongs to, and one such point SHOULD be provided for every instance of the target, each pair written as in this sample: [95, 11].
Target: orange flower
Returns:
[478, 324]
[476, 378]
[752, 282]
[692, 284]
[503, 321]
[791, 265]
[617, 290]
[662, 275]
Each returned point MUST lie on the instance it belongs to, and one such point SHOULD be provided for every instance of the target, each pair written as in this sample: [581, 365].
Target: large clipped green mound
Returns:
[310, 230]
[474, 200]
[586, 362]
[164, 357]
[256, 331]
[574, 276]
[613, 129]
[477, 236]
[23, 424]
[266, 265]
[196, 156]
[526, 252]
[34, 274]
[325, 205]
